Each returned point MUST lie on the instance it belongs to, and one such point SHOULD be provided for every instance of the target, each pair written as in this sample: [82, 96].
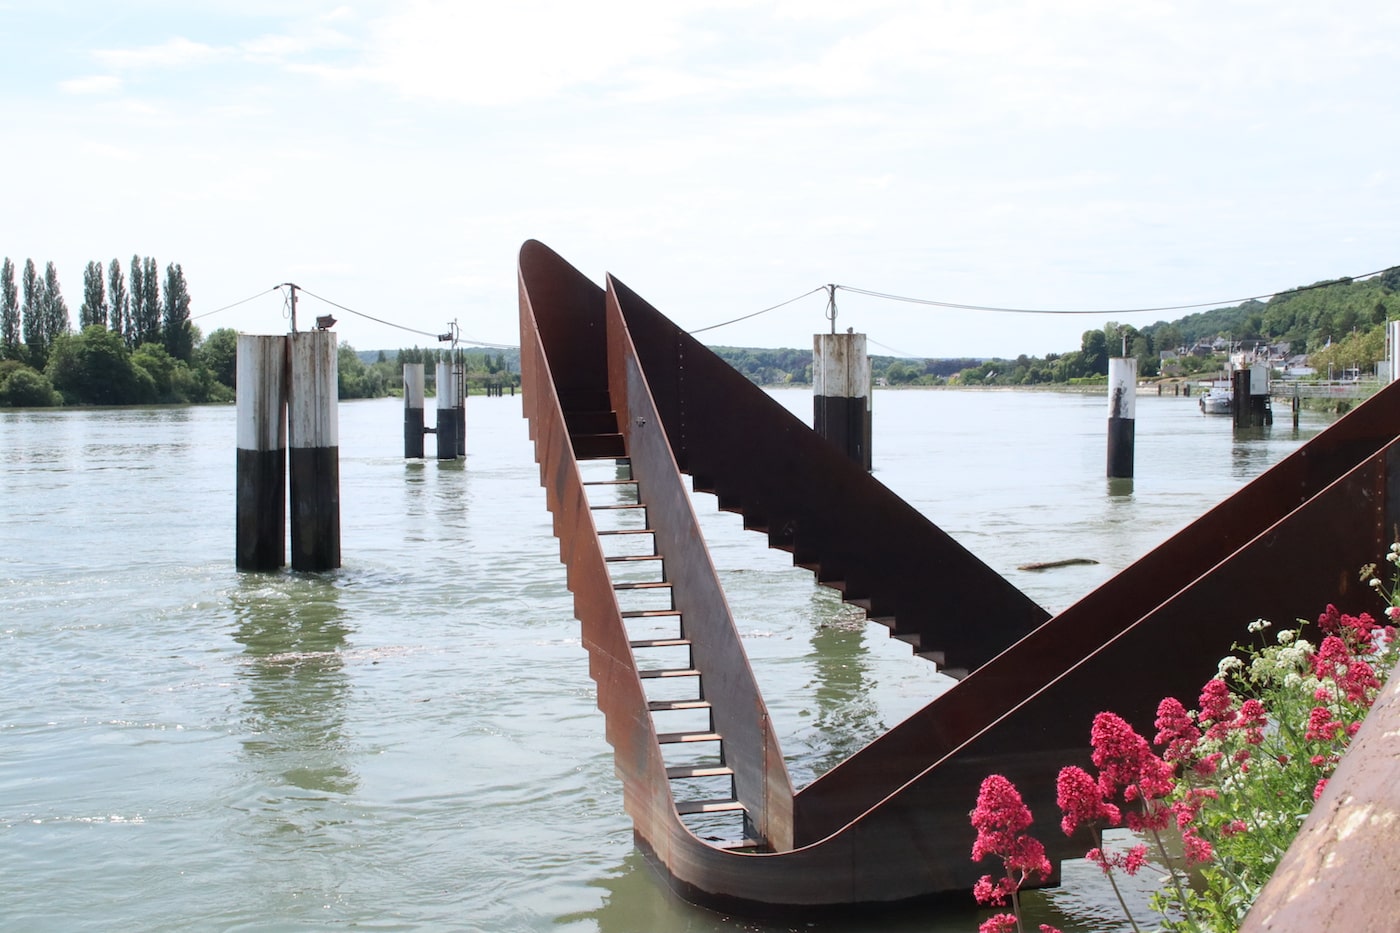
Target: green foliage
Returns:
[9, 312]
[176, 330]
[35, 340]
[356, 380]
[219, 355]
[54, 308]
[94, 307]
[22, 387]
[119, 311]
[95, 368]
[1360, 350]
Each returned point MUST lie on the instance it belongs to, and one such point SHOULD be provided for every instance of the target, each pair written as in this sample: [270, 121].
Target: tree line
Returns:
[133, 338]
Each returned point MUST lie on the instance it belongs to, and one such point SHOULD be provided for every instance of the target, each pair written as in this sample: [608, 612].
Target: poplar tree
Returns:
[150, 303]
[176, 329]
[94, 306]
[117, 300]
[32, 313]
[138, 290]
[9, 311]
[55, 308]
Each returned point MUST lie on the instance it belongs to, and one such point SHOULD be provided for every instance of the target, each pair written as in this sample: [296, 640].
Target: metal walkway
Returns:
[621, 403]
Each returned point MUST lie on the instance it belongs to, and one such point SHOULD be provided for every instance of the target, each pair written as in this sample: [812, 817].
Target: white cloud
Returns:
[91, 84]
[177, 52]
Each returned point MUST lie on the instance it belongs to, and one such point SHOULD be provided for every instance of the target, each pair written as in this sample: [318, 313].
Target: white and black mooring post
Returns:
[446, 410]
[262, 453]
[841, 393]
[413, 411]
[460, 371]
[1122, 416]
[314, 442]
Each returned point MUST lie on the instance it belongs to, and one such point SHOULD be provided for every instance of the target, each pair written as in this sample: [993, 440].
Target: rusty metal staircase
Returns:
[610, 381]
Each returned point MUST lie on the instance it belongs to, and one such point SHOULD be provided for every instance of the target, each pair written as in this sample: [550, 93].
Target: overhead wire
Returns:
[411, 330]
[1227, 302]
[959, 306]
[234, 305]
[820, 288]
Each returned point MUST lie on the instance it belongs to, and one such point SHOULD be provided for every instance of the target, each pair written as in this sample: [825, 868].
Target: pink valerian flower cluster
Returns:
[1177, 734]
[1001, 819]
[1356, 678]
[1128, 769]
[1358, 632]
[1007, 923]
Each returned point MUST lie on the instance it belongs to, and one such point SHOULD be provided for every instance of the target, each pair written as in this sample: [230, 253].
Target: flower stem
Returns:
[1113, 882]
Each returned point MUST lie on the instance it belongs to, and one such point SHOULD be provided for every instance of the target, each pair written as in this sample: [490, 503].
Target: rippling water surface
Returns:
[411, 742]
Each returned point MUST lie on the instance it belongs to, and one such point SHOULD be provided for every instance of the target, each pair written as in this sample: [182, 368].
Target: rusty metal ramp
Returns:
[621, 403]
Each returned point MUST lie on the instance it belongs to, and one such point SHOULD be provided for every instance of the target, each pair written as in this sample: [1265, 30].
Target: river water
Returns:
[411, 742]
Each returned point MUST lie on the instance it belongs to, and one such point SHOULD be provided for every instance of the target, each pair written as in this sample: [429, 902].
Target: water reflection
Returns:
[848, 716]
[293, 630]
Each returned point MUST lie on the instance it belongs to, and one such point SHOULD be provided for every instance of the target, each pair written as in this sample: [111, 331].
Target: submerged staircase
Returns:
[621, 403]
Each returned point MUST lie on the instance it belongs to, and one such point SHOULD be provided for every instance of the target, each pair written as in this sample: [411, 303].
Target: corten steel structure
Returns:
[607, 377]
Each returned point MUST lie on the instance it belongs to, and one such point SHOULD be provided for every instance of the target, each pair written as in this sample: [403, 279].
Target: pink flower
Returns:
[1081, 803]
[1208, 765]
[1216, 702]
[1321, 786]
[1393, 613]
[1177, 734]
[1251, 718]
[1357, 631]
[996, 892]
[1321, 726]
[1000, 816]
[1001, 819]
[1196, 849]
[1233, 828]
[998, 923]
[1047, 928]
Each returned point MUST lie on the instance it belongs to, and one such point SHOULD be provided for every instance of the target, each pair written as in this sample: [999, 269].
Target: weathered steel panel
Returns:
[891, 822]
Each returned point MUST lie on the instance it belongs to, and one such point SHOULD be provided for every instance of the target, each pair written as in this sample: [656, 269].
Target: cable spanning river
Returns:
[411, 742]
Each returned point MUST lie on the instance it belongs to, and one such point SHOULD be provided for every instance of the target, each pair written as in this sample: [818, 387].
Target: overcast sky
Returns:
[718, 156]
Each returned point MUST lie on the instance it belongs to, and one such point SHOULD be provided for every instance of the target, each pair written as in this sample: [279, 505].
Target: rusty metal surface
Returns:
[857, 535]
[1339, 873]
[891, 822]
[738, 713]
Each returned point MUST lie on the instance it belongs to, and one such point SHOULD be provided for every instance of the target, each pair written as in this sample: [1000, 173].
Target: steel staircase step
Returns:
[673, 738]
[650, 613]
[660, 643]
[685, 807]
[653, 585]
[626, 558]
[621, 507]
[661, 706]
[657, 672]
[610, 482]
[681, 772]
[627, 531]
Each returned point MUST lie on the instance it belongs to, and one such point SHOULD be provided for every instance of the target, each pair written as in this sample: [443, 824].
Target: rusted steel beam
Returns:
[738, 442]
[1338, 875]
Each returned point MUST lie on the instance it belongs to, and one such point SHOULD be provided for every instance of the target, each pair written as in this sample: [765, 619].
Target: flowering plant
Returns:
[1233, 779]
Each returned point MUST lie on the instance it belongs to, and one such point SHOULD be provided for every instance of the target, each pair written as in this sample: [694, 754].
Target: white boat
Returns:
[1216, 401]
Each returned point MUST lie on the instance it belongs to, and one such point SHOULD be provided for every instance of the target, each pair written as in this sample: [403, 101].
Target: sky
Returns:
[720, 157]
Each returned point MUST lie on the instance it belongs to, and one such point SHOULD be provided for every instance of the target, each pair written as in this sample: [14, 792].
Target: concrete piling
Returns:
[447, 421]
[262, 453]
[1122, 416]
[413, 395]
[841, 393]
[314, 443]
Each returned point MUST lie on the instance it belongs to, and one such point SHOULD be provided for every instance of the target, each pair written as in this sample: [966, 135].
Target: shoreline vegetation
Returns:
[136, 344]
